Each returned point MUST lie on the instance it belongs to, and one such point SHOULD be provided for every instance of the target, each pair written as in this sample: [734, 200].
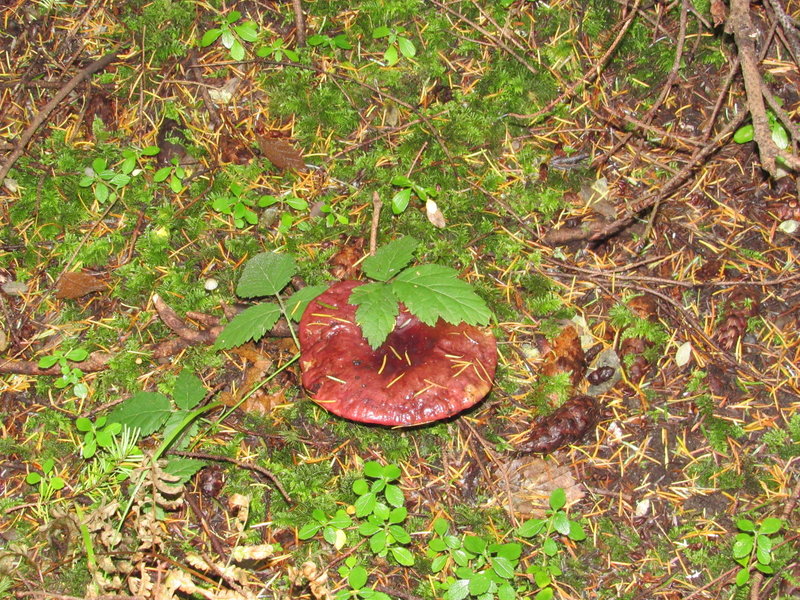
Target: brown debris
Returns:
[73, 285]
[568, 424]
[566, 356]
[741, 306]
[281, 153]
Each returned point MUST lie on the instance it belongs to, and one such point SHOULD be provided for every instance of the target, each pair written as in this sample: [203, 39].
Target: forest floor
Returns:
[574, 162]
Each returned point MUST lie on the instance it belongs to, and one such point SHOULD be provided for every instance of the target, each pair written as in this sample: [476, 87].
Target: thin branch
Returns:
[43, 114]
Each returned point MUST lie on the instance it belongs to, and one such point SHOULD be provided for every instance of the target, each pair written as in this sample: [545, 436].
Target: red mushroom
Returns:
[418, 375]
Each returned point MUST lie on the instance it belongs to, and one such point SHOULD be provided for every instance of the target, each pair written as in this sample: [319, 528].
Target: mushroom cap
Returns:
[418, 375]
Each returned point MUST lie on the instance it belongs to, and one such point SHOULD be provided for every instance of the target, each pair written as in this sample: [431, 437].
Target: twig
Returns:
[239, 463]
[41, 117]
[299, 23]
[96, 361]
[741, 26]
[376, 215]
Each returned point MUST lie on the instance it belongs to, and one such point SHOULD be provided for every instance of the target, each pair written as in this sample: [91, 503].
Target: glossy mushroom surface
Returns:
[420, 373]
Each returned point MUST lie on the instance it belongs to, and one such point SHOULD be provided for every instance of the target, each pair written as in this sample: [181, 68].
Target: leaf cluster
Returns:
[752, 548]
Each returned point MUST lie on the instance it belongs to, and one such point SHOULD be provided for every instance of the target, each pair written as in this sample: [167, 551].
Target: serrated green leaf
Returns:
[742, 577]
[431, 292]
[474, 544]
[162, 174]
[266, 274]
[561, 523]
[440, 526]
[558, 498]
[394, 495]
[185, 468]
[390, 259]
[438, 563]
[189, 390]
[479, 584]
[297, 302]
[365, 504]
[380, 32]
[145, 411]
[376, 312]
[391, 56]
[248, 31]
[503, 567]
[357, 577]
[250, 324]
[458, 590]
[745, 525]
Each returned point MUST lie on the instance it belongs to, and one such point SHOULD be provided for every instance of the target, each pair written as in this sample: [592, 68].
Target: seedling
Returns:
[47, 482]
[174, 174]
[555, 523]
[397, 44]
[287, 220]
[105, 182]
[753, 547]
[324, 41]
[131, 158]
[231, 35]
[402, 198]
[236, 204]
[96, 434]
[276, 51]
[332, 528]
[69, 375]
[357, 576]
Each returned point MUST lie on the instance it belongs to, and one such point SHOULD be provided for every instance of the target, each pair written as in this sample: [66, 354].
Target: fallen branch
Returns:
[96, 361]
[41, 117]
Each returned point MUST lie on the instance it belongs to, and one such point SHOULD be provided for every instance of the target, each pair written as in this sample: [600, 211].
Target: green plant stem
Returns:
[289, 322]
[87, 539]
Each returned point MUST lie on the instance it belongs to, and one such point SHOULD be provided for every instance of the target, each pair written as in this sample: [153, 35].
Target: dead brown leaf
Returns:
[281, 153]
[566, 355]
[76, 284]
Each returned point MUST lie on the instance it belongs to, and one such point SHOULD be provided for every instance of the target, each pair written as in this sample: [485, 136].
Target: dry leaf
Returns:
[531, 480]
[77, 284]
[281, 153]
[719, 12]
[683, 354]
[346, 263]
[435, 216]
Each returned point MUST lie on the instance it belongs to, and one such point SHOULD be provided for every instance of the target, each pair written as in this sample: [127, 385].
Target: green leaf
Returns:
[576, 532]
[368, 529]
[400, 534]
[432, 291]
[503, 567]
[438, 563]
[248, 31]
[162, 174]
[357, 577]
[403, 556]
[150, 151]
[742, 545]
[83, 424]
[558, 499]
[296, 203]
[101, 192]
[266, 274]
[120, 179]
[770, 525]
[474, 544]
[373, 469]
[440, 526]
[146, 411]
[545, 594]
[237, 50]
[744, 134]
[391, 57]
[437, 545]
[365, 504]
[742, 577]
[376, 312]
[33, 478]
[185, 468]
[398, 515]
[407, 47]
[189, 390]
[479, 584]
[341, 41]
[380, 32]
[550, 547]
[48, 361]
[341, 519]
[458, 590]
[506, 592]
[745, 525]
[77, 355]
[394, 495]
[377, 542]
[401, 199]
[309, 530]
[780, 137]
[57, 483]
[390, 259]
[250, 324]
[210, 36]
[561, 523]
[360, 487]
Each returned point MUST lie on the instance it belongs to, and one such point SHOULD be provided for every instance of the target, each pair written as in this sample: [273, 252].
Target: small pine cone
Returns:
[742, 305]
[568, 424]
[637, 366]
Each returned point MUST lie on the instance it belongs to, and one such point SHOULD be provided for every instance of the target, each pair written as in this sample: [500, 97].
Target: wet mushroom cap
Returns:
[420, 373]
